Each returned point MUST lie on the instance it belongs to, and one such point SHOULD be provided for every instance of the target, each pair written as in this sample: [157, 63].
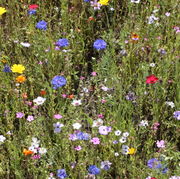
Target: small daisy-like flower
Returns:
[42, 150]
[143, 123]
[117, 133]
[76, 102]
[125, 134]
[76, 125]
[170, 103]
[122, 140]
[39, 100]
[2, 138]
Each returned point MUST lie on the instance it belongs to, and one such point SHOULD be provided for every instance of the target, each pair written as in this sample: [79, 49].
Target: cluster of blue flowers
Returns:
[58, 81]
[42, 25]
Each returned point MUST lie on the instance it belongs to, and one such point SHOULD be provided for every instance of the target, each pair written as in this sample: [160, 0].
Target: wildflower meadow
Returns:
[89, 89]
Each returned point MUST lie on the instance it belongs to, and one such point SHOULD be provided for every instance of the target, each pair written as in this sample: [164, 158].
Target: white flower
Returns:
[125, 134]
[167, 14]
[76, 125]
[39, 100]
[152, 18]
[122, 140]
[85, 90]
[117, 133]
[104, 88]
[170, 103]
[125, 149]
[2, 138]
[152, 64]
[116, 154]
[35, 142]
[33, 149]
[42, 150]
[143, 123]
[97, 123]
[76, 102]
[135, 1]
[25, 44]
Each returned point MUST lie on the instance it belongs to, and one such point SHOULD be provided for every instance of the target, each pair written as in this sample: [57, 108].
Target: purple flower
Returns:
[160, 144]
[62, 42]
[93, 170]
[154, 163]
[96, 5]
[31, 11]
[95, 140]
[30, 118]
[58, 81]
[177, 115]
[42, 25]
[99, 44]
[19, 115]
[104, 130]
[105, 165]
[61, 173]
[7, 69]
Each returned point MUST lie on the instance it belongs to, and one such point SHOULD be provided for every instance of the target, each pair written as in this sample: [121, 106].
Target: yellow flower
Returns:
[103, 2]
[17, 68]
[2, 10]
[131, 151]
[21, 79]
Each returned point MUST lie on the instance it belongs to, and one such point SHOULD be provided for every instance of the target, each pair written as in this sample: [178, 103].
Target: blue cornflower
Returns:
[61, 173]
[62, 42]
[41, 25]
[99, 44]
[31, 11]
[93, 170]
[58, 81]
[7, 69]
[154, 163]
[82, 136]
[86, 0]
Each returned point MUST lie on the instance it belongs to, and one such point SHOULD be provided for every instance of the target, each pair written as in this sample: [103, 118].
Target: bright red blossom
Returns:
[151, 79]
[33, 6]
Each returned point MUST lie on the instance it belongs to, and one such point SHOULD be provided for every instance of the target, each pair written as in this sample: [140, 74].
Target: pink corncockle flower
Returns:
[126, 41]
[103, 101]
[78, 148]
[155, 126]
[36, 157]
[160, 144]
[167, 14]
[95, 140]
[64, 95]
[30, 118]
[82, 77]
[101, 116]
[19, 115]
[57, 116]
[94, 73]
[40, 62]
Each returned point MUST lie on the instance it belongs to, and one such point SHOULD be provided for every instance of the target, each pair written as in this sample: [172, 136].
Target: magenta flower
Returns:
[78, 148]
[30, 118]
[95, 140]
[19, 115]
[57, 116]
[160, 144]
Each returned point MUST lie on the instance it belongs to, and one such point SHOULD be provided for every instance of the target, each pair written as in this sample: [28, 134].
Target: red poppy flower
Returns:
[33, 6]
[153, 178]
[42, 92]
[151, 79]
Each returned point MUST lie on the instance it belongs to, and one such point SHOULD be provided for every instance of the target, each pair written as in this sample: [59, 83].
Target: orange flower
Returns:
[71, 96]
[42, 92]
[135, 37]
[24, 95]
[21, 79]
[27, 152]
[91, 19]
